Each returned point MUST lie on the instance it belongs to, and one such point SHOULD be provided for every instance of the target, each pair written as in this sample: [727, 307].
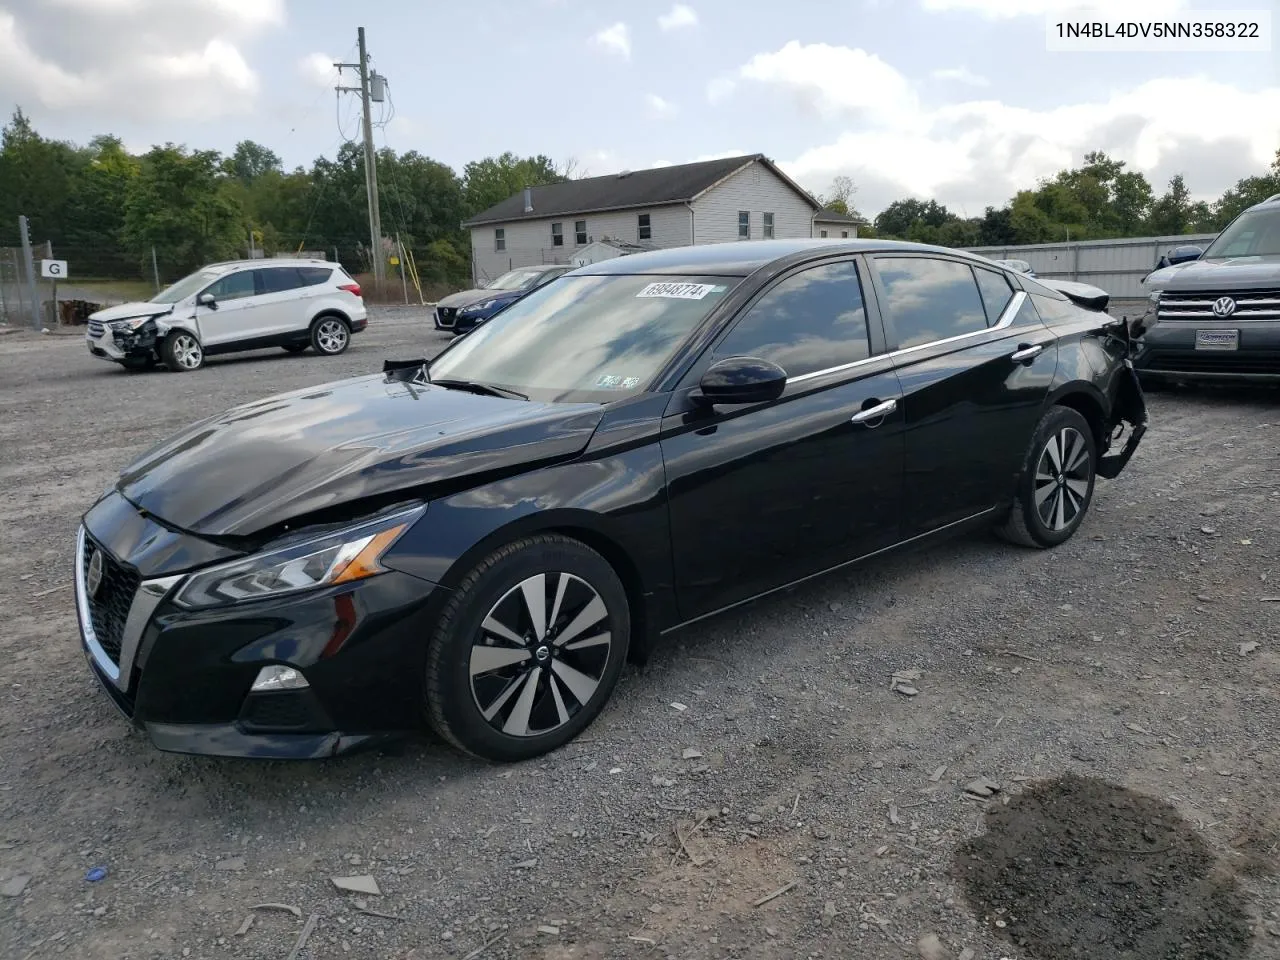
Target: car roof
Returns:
[743, 257]
[270, 262]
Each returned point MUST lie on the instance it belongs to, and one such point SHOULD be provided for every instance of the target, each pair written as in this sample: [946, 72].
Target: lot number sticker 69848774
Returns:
[678, 291]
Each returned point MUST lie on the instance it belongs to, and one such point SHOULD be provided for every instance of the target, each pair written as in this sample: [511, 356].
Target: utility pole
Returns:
[30, 264]
[370, 158]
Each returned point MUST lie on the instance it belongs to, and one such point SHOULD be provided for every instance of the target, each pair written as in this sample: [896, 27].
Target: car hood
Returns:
[1235, 273]
[464, 298]
[127, 311]
[329, 448]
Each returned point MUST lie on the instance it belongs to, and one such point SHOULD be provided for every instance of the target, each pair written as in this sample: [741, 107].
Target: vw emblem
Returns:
[1224, 307]
[93, 579]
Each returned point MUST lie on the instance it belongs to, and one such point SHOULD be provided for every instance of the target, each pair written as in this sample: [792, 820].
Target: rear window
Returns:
[314, 275]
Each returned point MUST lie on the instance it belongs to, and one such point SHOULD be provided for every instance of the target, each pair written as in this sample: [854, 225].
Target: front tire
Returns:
[181, 352]
[528, 650]
[1057, 481]
[330, 335]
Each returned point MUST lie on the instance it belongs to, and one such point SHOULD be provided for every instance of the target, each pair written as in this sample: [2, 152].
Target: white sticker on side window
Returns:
[677, 291]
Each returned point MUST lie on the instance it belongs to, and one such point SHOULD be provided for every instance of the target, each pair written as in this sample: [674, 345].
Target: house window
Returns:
[643, 230]
[744, 224]
[768, 226]
[580, 232]
[844, 234]
[499, 239]
[822, 234]
[557, 234]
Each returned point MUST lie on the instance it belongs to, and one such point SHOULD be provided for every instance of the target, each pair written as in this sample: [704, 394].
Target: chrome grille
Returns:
[1198, 305]
[109, 605]
[97, 328]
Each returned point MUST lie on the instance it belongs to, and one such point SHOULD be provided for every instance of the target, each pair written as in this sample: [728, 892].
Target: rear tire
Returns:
[528, 649]
[181, 352]
[330, 335]
[1057, 481]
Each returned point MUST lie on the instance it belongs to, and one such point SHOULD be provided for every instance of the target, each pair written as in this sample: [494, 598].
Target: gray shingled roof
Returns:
[639, 188]
[834, 216]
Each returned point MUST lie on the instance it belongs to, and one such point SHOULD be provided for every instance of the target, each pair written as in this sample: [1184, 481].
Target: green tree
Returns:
[1172, 213]
[493, 179]
[996, 227]
[251, 160]
[38, 177]
[902, 216]
[179, 203]
[94, 227]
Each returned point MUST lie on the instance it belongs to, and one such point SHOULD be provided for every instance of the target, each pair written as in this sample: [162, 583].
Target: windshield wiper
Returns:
[474, 386]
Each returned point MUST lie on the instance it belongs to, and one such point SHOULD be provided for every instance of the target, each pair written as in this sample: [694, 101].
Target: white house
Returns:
[713, 201]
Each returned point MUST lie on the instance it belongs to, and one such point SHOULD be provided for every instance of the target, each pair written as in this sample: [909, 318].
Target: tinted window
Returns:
[1052, 310]
[810, 321]
[930, 300]
[233, 286]
[280, 279]
[314, 275]
[996, 293]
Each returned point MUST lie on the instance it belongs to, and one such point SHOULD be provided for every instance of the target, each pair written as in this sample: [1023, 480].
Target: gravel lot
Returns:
[1142, 654]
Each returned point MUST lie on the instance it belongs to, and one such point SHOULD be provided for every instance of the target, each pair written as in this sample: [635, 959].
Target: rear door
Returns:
[764, 494]
[976, 364]
[282, 301]
[235, 316]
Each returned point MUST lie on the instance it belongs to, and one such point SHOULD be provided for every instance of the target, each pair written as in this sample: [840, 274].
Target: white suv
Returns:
[227, 307]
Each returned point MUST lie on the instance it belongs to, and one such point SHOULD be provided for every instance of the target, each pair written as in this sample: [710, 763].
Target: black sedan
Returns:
[483, 540]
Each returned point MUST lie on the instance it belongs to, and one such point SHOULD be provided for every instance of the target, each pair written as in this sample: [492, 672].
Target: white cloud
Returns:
[1008, 9]
[720, 89]
[658, 108]
[108, 60]
[679, 16]
[615, 39]
[835, 80]
[978, 152]
[960, 75]
[318, 69]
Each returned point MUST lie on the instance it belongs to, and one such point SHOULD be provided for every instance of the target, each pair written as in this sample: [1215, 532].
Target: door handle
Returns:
[1026, 351]
[876, 412]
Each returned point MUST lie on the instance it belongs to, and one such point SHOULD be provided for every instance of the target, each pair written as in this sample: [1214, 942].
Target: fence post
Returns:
[32, 286]
[155, 267]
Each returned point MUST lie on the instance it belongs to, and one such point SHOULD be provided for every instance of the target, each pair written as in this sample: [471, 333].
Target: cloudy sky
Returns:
[952, 99]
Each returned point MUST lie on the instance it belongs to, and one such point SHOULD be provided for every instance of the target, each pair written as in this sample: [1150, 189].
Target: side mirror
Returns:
[207, 300]
[742, 380]
[1185, 254]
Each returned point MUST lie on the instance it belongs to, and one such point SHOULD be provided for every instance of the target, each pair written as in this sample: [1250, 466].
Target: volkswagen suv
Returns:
[1218, 316]
[229, 307]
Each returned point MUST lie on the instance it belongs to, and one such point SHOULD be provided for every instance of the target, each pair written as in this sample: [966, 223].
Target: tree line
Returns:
[109, 208]
[1098, 200]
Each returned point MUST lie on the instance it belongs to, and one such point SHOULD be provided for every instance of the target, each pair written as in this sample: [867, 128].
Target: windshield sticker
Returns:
[677, 291]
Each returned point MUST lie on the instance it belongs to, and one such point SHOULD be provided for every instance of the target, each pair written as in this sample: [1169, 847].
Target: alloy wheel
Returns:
[540, 654]
[1063, 473]
[186, 351]
[331, 335]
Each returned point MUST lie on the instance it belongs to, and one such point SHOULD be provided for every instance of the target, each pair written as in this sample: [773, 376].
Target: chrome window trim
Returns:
[149, 596]
[1005, 321]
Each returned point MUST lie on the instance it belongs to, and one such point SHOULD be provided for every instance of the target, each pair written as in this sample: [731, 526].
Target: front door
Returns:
[976, 363]
[235, 316]
[766, 494]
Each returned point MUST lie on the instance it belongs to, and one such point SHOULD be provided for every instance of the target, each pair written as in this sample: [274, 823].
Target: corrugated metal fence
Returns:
[1116, 266]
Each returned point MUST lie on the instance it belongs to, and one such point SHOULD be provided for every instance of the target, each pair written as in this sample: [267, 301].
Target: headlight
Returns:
[343, 556]
[477, 307]
[126, 325]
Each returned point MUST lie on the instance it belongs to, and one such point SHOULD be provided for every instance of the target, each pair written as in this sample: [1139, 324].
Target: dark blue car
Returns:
[467, 309]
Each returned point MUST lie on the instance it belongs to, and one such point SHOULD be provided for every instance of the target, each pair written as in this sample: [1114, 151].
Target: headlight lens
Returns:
[126, 325]
[343, 556]
[477, 307]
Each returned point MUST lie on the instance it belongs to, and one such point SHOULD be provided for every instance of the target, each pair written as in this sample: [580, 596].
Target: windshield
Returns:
[186, 286]
[1253, 234]
[514, 280]
[590, 339]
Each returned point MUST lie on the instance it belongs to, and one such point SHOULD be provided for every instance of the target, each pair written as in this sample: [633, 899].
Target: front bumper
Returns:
[1168, 352]
[184, 677]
